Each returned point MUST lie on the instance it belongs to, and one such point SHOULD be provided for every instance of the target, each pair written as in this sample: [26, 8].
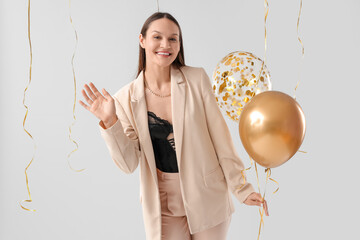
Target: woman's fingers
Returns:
[84, 105]
[96, 92]
[88, 100]
[256, 199]
[259, 200]
[90, 92]
[264, 205]
[259, 197]
[253, 202]
[256, 202]
[266, 208]
[106, 94]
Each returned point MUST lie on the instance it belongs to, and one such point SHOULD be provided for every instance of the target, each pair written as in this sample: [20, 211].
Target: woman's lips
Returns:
[163, 54]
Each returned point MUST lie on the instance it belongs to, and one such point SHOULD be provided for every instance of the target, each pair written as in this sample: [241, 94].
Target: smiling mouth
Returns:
[164, 54]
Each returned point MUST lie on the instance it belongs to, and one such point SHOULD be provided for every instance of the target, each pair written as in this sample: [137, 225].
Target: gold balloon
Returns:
[272, 128]
[236, 79]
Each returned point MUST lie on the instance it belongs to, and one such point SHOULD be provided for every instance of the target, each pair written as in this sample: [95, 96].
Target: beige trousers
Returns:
[173, 216]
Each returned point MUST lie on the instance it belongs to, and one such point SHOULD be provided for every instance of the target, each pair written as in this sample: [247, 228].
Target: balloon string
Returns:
[302, 47]
[157, 4]
[27, 110]
[261, 213]
[72, 64]
[266, 12]
[266, 5]
[257, 178]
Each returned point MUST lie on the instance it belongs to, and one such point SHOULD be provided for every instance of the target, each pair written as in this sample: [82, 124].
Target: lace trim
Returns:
[158, 118]
[155, 120]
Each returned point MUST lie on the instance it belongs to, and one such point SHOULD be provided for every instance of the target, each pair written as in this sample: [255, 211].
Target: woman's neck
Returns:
[158, 78]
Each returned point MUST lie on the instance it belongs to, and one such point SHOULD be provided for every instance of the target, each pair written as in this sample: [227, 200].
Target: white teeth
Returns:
[163, 53]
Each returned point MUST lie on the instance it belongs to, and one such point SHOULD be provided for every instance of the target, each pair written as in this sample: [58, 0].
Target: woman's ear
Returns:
[141, 40]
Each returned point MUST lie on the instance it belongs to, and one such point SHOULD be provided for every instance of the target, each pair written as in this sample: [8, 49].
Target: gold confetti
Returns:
[237, 75]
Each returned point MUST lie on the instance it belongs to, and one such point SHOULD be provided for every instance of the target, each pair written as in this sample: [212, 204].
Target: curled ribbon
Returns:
[266, 12]
[261, 212]
[256, 79]
[302, 52]
[268, 174]
[302, 45]
[72, 64]
[27, 110]
[268, 171]
[263, 197]
[243, 176]
[266, 5]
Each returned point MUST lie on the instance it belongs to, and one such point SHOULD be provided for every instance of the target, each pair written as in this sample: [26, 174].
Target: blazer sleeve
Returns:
[229, 160]
[122, 141]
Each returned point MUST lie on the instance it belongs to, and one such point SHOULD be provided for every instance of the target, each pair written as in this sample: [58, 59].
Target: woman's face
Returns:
[161, 43]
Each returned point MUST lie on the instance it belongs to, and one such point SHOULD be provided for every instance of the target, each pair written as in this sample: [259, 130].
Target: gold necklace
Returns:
[154, 92]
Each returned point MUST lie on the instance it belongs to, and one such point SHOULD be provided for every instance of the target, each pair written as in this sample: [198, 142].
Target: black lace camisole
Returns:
[164, 149]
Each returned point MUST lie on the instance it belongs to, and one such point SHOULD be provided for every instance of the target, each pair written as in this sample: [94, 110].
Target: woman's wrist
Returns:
[110, 121]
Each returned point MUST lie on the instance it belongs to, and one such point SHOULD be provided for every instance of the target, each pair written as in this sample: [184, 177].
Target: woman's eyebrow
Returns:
[171, 34]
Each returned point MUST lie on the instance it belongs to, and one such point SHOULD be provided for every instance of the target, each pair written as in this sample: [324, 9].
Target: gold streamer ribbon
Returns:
[263, 197]
[243, 176]
[262, 211]
[72, 65]
[302, 45]
[266, 4]
[302, 53]
[27, 110]
[266, 12]
[268, 171]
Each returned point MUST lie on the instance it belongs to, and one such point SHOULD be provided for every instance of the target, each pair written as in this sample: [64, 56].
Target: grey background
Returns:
[318, 197]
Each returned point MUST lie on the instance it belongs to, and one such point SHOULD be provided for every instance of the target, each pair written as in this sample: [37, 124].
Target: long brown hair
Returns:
[179, 61]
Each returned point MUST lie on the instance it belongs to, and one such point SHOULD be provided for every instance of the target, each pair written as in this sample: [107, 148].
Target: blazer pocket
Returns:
[214, 176]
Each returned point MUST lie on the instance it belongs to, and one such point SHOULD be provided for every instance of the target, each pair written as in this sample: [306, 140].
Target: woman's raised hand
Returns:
[103, 107]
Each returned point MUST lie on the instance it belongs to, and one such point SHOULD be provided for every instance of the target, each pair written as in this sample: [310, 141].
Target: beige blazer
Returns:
[208, 163]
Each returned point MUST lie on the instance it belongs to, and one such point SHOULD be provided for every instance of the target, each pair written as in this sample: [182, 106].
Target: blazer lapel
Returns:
[139, 109]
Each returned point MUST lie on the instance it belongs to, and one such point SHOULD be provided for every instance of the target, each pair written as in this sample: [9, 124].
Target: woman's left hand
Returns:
[255, 199]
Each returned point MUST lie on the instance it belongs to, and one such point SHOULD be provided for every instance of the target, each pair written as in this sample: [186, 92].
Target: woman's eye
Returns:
[156, 37]
[173, 39]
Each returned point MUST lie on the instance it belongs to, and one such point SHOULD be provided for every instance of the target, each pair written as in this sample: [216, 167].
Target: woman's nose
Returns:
[165, 43]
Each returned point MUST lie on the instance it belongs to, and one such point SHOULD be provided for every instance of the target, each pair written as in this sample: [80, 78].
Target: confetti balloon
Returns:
[272, 128]
[236, 79]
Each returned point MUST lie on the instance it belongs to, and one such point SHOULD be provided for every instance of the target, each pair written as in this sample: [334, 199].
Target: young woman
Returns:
[168, 120]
